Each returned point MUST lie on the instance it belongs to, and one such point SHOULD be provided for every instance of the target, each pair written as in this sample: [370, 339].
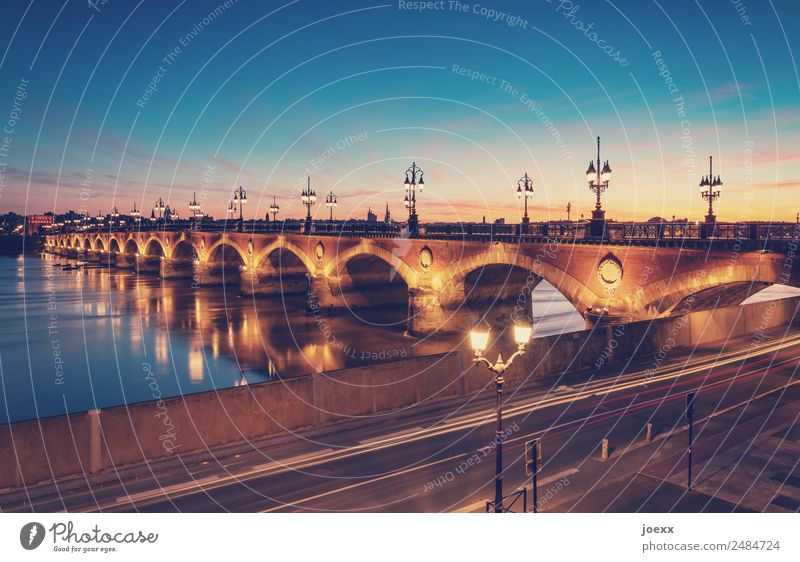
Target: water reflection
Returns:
[112, 322]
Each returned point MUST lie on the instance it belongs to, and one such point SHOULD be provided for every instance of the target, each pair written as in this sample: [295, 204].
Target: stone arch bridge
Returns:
[606, 281]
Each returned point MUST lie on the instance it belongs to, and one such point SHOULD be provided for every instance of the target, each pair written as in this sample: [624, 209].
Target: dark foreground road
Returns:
[747, 446]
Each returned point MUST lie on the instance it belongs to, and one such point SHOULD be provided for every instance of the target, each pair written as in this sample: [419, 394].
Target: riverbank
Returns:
[98, 440]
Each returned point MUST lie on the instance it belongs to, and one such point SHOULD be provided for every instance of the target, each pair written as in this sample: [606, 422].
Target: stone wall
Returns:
[38, 450]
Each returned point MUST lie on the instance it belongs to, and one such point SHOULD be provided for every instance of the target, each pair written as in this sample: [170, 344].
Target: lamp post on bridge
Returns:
[525, 190]
[114, 217]
[598, 182]
[240, 200]
[330, 202]
[309, 198]
[274, 209]
[479, 339]
[197, 214]
[710, 194]
[412, 184]
[136, 214]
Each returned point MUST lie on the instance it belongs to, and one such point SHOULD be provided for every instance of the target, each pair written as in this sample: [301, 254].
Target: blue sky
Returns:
[261, 93]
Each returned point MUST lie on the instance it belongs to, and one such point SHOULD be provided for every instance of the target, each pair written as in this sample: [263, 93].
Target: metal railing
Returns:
[532, 232]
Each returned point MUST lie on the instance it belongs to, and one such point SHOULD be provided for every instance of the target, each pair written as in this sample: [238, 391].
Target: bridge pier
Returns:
[148, 264]
[93, 256]
[425, 313]
[106, 258]
[209, 275]
[171, 268]
[269, 282]
[125, 261]
[320, 296]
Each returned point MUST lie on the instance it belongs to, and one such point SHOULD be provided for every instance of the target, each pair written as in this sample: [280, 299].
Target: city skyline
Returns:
[160, 113]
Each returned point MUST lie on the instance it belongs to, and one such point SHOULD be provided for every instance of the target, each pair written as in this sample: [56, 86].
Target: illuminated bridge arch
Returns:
[705, 289]
[154, 248]
[337, 268]
[452, 280]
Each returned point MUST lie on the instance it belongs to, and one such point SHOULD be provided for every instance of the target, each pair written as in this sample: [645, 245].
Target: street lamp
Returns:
[274, 209]
[330, 202]
[525, 190]
[240, 199]
[159, 207]
[114, 216]
[194, 207]
[479, 340]
[136, 214]
[598, 180]
[710, 194]
[309, 198]
[412, 184]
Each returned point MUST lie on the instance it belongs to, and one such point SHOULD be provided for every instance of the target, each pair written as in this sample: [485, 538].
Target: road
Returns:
[440, 458]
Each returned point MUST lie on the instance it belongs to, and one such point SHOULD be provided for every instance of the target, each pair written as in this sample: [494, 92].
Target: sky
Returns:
[119, 103]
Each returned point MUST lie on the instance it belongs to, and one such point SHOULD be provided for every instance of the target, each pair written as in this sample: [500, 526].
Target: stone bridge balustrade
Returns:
[457, 277]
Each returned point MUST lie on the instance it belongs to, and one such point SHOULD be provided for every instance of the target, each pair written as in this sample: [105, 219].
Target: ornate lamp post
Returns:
[240, 199]
[114, 217]
[274, 209]
[710, 194]
[330, 202]
[479, 339]
[197, 214]
[160, 208]
[412, 183]
[598, 182]
[525, 190]
[136, 214]
[309, 198]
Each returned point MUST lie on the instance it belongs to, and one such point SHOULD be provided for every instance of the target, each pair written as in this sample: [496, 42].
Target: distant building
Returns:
[387, 219]
[371, 217]
[34, 222]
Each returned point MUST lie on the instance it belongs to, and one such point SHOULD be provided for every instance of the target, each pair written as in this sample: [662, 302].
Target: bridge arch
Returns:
[337, 267]
[184, 250]
[452, 279]
[225, 251]
[701, 289]
[281, 245]
[87, 245]
[131, 247]
[99, 244]
[114, 245]
[154, 248]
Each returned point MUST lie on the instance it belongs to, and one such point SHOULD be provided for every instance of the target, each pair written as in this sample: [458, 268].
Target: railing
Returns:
[511, 503]
[532, 232]
[710, 231]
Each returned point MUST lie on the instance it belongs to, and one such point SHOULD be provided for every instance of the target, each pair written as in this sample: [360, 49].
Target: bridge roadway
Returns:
[420, 461]
[640, 271]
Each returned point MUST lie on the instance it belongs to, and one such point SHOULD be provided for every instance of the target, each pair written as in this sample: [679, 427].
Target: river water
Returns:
[76, 339]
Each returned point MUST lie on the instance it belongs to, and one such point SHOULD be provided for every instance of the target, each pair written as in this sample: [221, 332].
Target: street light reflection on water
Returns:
[108, 323]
